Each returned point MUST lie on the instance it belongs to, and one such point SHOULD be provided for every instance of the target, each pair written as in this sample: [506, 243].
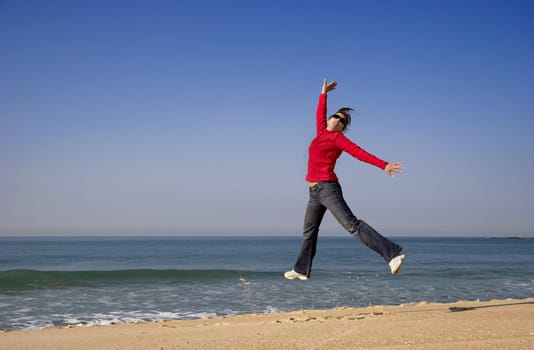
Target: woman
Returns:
[326, 193]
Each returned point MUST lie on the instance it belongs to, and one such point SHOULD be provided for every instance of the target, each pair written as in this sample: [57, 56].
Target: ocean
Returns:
[61, 281]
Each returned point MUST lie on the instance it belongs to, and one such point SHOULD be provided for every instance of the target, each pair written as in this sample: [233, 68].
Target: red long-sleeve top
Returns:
[327, 146]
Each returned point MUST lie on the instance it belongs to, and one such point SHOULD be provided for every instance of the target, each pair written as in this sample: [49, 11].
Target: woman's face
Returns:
[336, 122]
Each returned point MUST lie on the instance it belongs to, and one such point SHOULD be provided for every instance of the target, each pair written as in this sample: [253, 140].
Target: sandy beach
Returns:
[498, 324]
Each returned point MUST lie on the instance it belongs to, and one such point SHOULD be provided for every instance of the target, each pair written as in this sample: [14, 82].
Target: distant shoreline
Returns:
[207, 236]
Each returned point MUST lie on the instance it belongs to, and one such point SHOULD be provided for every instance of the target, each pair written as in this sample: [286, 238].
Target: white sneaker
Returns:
[291, 275]
[395, 264]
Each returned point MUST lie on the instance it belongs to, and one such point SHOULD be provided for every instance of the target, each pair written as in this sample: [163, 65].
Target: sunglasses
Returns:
[341, 119]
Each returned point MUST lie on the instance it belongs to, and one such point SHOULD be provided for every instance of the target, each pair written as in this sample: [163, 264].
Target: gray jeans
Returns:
[328, 195]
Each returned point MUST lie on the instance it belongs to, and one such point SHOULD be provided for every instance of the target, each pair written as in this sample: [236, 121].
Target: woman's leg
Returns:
[312, 220]
[332, 198]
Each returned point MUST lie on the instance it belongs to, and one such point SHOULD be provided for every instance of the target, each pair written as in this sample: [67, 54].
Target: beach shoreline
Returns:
[496, 324]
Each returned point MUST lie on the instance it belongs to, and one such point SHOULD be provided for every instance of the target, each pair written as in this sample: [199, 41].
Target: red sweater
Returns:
[327, 146]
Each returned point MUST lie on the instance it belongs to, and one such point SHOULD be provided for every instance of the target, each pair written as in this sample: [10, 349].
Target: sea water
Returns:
[55, 281]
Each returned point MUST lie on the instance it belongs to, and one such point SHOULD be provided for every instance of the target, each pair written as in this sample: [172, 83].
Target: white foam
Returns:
[271, 309]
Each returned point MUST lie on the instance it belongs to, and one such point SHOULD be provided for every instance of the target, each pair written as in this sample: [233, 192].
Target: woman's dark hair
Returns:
[346, 112]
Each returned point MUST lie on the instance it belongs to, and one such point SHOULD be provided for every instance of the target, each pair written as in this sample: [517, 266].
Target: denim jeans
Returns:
[328, 195]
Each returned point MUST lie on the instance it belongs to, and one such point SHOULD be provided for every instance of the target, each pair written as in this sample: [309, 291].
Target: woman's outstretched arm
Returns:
[321, 106]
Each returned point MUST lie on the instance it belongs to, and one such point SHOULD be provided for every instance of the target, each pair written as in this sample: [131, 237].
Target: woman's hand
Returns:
[329, 87]
[392, 168]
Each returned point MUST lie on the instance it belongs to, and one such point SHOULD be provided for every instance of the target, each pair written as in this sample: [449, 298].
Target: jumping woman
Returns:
[326, 193]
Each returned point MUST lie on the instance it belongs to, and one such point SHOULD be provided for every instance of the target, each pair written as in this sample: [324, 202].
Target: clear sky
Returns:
[194, 117]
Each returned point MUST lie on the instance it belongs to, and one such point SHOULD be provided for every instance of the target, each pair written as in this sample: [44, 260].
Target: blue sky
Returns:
[174, 117]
